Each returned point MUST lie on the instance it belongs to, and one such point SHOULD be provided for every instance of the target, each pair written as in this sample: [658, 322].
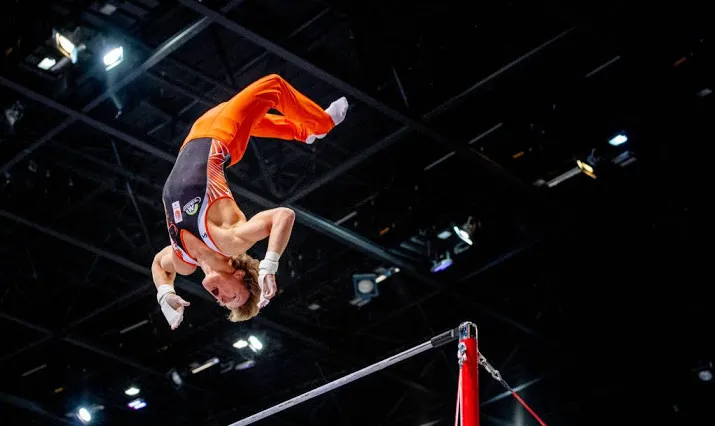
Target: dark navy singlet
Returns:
[196, 181]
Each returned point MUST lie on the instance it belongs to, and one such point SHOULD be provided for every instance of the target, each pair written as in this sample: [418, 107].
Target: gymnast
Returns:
[207, 229]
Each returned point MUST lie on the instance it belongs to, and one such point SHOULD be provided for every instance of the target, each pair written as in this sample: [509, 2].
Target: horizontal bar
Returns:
[430, 344]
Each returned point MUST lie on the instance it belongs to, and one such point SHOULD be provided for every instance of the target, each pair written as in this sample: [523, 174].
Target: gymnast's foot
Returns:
[337, 112]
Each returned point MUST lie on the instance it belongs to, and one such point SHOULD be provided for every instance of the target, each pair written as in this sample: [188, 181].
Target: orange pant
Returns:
[246, 114]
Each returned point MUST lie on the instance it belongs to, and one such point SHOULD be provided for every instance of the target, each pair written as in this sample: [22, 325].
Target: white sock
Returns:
[338, 110]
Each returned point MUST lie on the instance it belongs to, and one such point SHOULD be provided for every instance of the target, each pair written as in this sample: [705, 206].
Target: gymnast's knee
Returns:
[273, 79]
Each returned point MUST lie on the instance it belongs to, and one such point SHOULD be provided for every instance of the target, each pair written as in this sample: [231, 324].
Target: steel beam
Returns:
[161, 52]
[490, 167]
[33, 407]
[400, 133]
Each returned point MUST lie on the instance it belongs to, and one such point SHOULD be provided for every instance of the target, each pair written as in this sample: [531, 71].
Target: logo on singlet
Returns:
[176, 207]
[192, 206]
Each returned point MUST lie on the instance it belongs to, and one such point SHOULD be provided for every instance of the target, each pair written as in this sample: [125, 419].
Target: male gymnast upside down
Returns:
[206, 227]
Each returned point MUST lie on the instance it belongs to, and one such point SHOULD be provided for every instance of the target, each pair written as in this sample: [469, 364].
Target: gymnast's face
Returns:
[227, 287]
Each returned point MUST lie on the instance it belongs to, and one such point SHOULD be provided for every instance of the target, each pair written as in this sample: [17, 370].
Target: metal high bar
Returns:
[435, 342]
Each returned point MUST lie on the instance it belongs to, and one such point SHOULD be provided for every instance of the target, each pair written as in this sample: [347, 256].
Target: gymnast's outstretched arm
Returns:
[163, 271]
[276, 225]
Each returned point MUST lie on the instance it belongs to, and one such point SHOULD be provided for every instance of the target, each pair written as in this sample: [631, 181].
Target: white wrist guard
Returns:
[269, 265]
[172, 317]
[162, 291]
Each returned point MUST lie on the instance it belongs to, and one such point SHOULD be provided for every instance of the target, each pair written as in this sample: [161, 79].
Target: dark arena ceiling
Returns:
[584, 284]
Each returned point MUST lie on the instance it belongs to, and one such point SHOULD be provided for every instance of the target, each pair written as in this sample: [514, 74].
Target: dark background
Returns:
[590, 296]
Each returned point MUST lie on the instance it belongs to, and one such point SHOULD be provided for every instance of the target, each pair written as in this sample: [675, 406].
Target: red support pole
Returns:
[469, 374]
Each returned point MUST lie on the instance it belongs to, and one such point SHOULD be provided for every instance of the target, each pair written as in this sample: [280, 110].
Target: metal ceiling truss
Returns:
[307, 218]
[488, 166]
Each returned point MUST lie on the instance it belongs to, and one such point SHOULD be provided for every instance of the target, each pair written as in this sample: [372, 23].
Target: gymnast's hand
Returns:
[172, 305]
[177, 304]
[268, 285]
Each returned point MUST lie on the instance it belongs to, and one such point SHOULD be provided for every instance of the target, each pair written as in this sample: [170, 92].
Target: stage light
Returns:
[240, 344]
[442, 264]
[463, 235]
[208, 364]
[113, 57]
[84, 415]
[136, 404]
[47, 63]
[619, 139]
[365, 286]
[132, 391]
[586, 168]
[385, 273]
[466, 231]
[67, 46]
[176, 378]
[705, 375]
[444, 235]
[245, 365]
[254, 344]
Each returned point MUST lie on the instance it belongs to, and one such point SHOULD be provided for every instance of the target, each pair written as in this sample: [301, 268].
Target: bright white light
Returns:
[246, 364]
[84, 415]
[132, 391]
[176, 378]
[366, 286]
[114, 57]
[618, 140]
[65, 44]
[136, 404]
[240, 344]
[462, 234]
[444, 235]
[584, 166]
[705, 375]
[255, 344]
[210, 363]
[47, 63]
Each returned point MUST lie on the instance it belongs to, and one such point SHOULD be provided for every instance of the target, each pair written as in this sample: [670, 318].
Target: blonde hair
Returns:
[249, 309]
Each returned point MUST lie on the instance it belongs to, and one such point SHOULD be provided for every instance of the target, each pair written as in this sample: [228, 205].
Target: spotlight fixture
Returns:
[254, 344]
[619, 139]
[47, 63]
[176, 378]
[67, 45]
[208, 364]
[385, 273]
[240, 344]
[136, 404]
[84, 415]
[132, 391]
[466, 231]
[586, 168]
[440, 265]
[705, 371]
[113, 57]
[245, 365]
[365, 286]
